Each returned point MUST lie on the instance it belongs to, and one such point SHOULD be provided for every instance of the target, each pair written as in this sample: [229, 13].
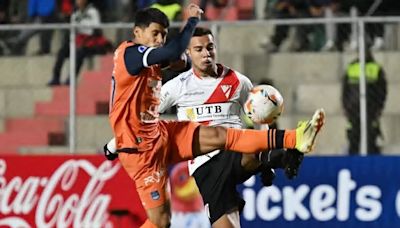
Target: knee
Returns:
[161, 219]
[207, 139]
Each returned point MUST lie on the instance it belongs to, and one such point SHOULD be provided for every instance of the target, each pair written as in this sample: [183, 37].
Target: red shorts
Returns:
[149, 168]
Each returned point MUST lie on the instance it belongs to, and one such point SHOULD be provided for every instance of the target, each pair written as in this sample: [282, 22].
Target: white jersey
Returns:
[208, 100]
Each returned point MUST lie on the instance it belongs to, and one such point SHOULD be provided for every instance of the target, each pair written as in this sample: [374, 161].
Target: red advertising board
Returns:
[66, 191]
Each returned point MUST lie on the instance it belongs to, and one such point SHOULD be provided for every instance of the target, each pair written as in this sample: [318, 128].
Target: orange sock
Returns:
[254, 141]
[148, 224]
[289, 139]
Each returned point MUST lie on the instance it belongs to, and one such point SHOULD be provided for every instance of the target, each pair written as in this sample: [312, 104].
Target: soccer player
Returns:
[147, 145]
[197, 95]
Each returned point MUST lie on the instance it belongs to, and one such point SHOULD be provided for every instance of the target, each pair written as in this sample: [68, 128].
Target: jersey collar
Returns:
[221, 71]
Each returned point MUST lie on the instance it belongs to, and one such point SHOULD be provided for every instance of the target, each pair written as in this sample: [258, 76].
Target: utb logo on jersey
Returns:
[155, 195]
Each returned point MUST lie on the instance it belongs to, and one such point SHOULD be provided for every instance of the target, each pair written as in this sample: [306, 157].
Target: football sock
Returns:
[289, 140]
[254, 141]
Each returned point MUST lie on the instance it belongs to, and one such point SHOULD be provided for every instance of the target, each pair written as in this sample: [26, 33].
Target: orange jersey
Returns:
[134, 103]
[135, 92]
[134, 119]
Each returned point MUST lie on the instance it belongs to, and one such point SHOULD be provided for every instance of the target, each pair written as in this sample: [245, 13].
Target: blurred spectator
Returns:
[109, 9]
[376, 97]
[216, 3]
[17, 11]
[385, 8]
[330, 11]
[186, 203]
[173, 10]
[89, 41]
[126, 11]
[291, 9]
[66, 8]
[4, 19]
[144, 3]
[11, 11]
[320, 8]
[374, 31]
[338, 34]
[39, 11]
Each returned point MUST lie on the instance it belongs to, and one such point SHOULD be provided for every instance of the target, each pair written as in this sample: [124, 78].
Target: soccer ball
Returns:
[264, 104]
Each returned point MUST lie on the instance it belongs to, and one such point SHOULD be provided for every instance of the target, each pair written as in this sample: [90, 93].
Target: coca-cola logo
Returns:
[52, 198]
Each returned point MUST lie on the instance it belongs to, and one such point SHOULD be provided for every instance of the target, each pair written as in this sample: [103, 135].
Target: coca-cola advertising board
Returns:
[66, 191]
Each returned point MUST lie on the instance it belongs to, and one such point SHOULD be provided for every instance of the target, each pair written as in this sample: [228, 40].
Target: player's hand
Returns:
[292, 161]
[110, 156]
[194, 10]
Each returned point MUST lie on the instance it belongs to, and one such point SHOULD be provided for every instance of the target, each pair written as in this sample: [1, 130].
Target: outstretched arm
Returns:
[137, 57]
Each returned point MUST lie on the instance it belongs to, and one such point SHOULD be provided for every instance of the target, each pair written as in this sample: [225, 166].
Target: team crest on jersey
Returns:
[155, 195]
[142, 48]
[226, 89]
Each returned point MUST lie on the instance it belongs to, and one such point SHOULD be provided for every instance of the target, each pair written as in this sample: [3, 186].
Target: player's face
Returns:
[152, 36]
[202, 53]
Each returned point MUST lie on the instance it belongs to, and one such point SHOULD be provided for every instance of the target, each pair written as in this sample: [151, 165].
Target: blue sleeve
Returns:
[137, 57]
[133, 58]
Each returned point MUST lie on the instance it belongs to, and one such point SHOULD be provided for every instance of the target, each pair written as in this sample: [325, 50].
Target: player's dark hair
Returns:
[147, 16]
[201, 31]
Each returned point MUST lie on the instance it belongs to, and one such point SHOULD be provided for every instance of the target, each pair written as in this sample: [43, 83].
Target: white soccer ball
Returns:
[264, 104]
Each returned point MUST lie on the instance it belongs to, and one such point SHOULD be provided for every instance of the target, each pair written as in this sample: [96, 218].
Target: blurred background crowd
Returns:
[309, 38]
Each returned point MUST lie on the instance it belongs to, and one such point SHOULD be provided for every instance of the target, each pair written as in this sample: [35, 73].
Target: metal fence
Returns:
[221, 32]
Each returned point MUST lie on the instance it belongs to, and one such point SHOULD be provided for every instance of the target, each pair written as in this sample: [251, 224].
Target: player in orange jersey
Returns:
[147, 145]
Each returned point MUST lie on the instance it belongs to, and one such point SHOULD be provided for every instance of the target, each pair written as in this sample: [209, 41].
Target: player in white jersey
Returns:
[214, 94]
[210, 100]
